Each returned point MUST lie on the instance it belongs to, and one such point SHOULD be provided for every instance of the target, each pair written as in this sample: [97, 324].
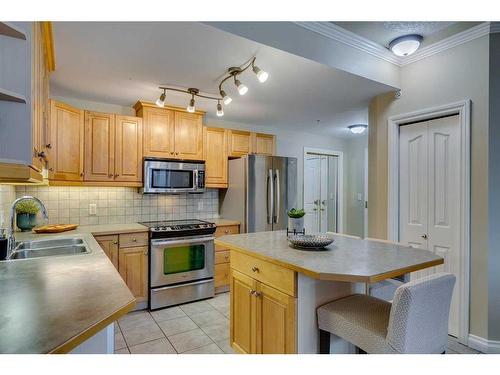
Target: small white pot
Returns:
[296, 224]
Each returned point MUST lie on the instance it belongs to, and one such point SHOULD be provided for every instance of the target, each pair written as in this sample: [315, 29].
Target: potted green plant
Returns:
[26, 215]
[296, 220]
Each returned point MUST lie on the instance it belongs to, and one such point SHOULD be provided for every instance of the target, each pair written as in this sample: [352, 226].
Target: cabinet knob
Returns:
[48, 145]
[134, 239]
[82, 174]
[424, 236]
[177, 153]
[255, 269]
[115, 242]
[171, 153]
[226, 231]
[146, 252]
[257, 294]
[110, 175]
[51, 169]
[116, 174]
[252, 291]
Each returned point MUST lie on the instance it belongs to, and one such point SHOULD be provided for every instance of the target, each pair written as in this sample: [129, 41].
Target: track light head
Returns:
[262, 76]
[160, 102]
[242, 89]
[220, 111]
[191, 108]
[225, 99]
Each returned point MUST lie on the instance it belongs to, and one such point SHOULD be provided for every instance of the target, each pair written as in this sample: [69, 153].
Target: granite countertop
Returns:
[52, 304]
[347, 259]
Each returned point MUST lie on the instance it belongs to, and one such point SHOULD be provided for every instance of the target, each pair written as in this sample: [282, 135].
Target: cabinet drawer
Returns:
[134, 239]
[227, 229]
[222, 257]
[271, 274]
[221, 274]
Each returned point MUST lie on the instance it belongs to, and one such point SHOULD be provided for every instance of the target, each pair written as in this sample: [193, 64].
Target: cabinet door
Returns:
[99, 146]
[275, 321]
[109, 244]
[188, 136]
[215, 155]
[240, 143]
[128, 149]
[158, 132]
[65, 153]
[263, 144]
[133, 268]
[243, 310]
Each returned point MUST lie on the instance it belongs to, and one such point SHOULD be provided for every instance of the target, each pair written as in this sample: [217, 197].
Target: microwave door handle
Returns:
[270, 196]
[278, 193]
[195, 179]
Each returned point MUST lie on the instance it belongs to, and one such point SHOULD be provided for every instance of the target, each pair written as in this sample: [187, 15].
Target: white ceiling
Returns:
[119, 63]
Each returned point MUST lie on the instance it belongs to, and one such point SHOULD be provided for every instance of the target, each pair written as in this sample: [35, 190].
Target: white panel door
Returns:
[323, 195]
[413, 153]
[312, 191]
[430, 197]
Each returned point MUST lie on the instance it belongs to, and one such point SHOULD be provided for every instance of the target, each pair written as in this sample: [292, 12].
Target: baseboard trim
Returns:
[484, 345]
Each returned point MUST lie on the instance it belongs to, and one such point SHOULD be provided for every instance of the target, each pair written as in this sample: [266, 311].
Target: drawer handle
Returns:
[255, 269]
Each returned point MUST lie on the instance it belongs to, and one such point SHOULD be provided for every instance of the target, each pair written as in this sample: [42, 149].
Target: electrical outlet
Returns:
[92, 209]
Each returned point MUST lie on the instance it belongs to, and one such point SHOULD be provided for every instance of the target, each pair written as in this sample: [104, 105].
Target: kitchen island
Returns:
[275, 289]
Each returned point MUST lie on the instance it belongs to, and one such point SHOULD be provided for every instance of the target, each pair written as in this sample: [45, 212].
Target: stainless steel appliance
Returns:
[261, 191]
[181, 261]
[173, 176]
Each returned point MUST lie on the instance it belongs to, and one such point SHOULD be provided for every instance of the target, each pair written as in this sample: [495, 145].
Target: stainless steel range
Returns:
[181, 261]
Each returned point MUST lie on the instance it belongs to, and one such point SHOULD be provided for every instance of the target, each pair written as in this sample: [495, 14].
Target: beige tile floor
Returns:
[195, 328]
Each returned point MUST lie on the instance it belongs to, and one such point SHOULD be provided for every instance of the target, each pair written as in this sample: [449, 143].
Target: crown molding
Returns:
[353, 40]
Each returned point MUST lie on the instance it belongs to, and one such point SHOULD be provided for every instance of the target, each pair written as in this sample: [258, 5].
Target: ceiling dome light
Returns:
[226, 99]
[357, 129]
[405, 45]
[262, 76]
[191, 108]
[219, 112]
[242, 89]
[160, 102]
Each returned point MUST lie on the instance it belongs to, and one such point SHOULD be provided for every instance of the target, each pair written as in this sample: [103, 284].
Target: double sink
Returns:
[48, 248]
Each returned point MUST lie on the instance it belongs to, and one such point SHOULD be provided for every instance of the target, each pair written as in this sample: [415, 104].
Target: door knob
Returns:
[255, 269]
[424, 236]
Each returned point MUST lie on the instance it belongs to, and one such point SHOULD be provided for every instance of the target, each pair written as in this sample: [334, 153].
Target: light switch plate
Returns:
[92, 209]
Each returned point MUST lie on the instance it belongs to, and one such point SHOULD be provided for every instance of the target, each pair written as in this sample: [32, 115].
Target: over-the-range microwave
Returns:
[173, 176]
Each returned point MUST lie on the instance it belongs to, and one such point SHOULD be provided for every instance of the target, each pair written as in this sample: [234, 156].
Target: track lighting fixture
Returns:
[219, 112]
[225, 98]
[242, 89]
[160, 102]
[232, 72]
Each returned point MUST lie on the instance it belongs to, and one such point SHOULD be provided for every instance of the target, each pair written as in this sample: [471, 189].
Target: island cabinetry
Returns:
[222, 259]
[263, 306]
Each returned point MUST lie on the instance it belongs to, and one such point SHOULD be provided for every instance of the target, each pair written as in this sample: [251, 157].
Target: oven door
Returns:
[171, 177]
[181, 259]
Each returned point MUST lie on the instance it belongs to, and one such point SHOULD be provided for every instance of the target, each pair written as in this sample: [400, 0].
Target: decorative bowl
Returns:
[311, 241]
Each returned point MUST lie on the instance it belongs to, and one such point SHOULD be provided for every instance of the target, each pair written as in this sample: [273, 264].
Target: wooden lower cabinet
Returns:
[222, 258]
[110, 246]
[263, 319]
[133, 268]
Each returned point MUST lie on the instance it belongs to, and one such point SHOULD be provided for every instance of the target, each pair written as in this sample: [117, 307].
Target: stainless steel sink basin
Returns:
[48, 248]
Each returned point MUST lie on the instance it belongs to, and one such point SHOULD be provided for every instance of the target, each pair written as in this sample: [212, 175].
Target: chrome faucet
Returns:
[12, 237]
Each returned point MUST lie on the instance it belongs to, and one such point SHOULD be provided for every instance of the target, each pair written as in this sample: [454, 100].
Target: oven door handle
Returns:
[180, 242]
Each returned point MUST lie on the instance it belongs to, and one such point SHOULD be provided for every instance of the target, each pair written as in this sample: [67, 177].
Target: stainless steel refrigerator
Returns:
[261, 191]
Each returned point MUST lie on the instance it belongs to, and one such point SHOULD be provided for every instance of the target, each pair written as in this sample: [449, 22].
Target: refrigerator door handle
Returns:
[270, 196]
[278, 194]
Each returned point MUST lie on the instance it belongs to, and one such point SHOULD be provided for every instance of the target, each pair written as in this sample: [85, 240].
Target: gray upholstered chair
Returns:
[415, 322]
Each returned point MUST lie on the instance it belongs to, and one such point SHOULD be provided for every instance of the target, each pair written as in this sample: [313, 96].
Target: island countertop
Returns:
[346, 259]
[52, 304]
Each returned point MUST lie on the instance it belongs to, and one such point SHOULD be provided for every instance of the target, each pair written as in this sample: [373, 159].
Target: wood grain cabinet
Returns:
[223, 258]
[263, 144]
[240, 143]
[113, 148]
[109, 244]
[66, 140]
[215, 156]
[263, 315]
[171, 132]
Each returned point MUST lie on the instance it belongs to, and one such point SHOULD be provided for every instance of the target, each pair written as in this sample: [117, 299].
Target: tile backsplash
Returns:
[7, 196]
[115, 205]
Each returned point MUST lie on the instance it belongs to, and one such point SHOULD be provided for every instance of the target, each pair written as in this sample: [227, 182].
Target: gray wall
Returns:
[456, 74]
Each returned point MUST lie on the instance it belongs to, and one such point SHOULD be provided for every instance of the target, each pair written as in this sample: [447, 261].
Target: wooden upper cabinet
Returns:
[158, 132]
[65, 149]
[264, 144]
[99, 146]
[188, 141]
[128, 149]
[215, 156]
[239, 143]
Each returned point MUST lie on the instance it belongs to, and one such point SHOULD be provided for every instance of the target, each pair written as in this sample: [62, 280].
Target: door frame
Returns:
[340, 179]
[462, 109]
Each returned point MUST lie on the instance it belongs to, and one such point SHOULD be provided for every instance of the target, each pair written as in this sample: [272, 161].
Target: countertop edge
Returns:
[76, 340]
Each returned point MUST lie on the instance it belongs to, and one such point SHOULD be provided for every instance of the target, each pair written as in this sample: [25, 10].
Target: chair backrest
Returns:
[420, 310]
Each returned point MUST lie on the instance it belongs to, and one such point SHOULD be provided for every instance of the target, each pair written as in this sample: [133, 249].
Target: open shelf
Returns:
[8, 29]
[10, 96]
